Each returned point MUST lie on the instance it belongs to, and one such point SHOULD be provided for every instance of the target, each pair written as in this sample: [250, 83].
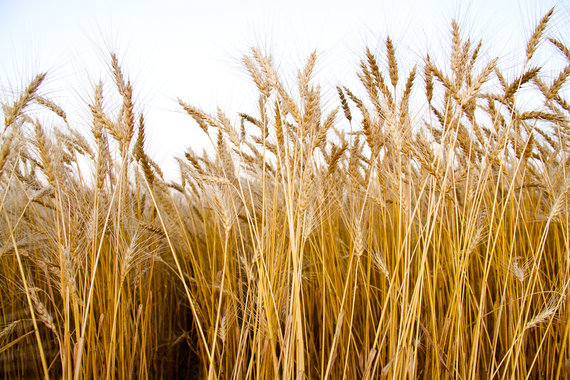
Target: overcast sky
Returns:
[192, 49]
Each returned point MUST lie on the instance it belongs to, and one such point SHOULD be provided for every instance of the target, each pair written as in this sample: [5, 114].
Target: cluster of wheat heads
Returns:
[368, 241]
[85, 278]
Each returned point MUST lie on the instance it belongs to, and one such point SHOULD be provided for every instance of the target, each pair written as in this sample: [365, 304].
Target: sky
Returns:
[192, 50]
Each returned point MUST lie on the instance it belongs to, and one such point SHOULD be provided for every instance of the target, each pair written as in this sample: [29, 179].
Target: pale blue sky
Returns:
[192, 49]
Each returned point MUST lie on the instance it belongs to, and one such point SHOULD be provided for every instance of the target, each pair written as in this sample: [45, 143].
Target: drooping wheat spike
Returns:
[196, 114]
[380, 262]
[482, 78]
[227, 320]
[52, 106]
[367, 125]
[13, 112]
[370, 86]
[423, 152]
[443, 79]
[176, 186]
[560, 201]
[561, 47]
[9, 329]
[265, 62]
[344, 104]
[251, 119]
[518, 268]
[44, 316]
[466, 143]
[537, 35]
[544, 151]
[562, 103]
[335, 156]
[229, 129]
[80, 143]
[557, 84]
[552, 305]
[288, 104]
[148, 227]
[517, 83]
[547, 116]
[327, 124]
[501, 78]
[257, 77]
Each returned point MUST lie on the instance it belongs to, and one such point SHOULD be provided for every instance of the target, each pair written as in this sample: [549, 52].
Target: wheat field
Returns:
[417, 229]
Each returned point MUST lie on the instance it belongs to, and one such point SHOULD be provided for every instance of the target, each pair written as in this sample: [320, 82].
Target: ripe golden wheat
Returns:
[367, 241]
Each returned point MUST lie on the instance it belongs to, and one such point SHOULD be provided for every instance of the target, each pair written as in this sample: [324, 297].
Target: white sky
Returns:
[192, 49]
